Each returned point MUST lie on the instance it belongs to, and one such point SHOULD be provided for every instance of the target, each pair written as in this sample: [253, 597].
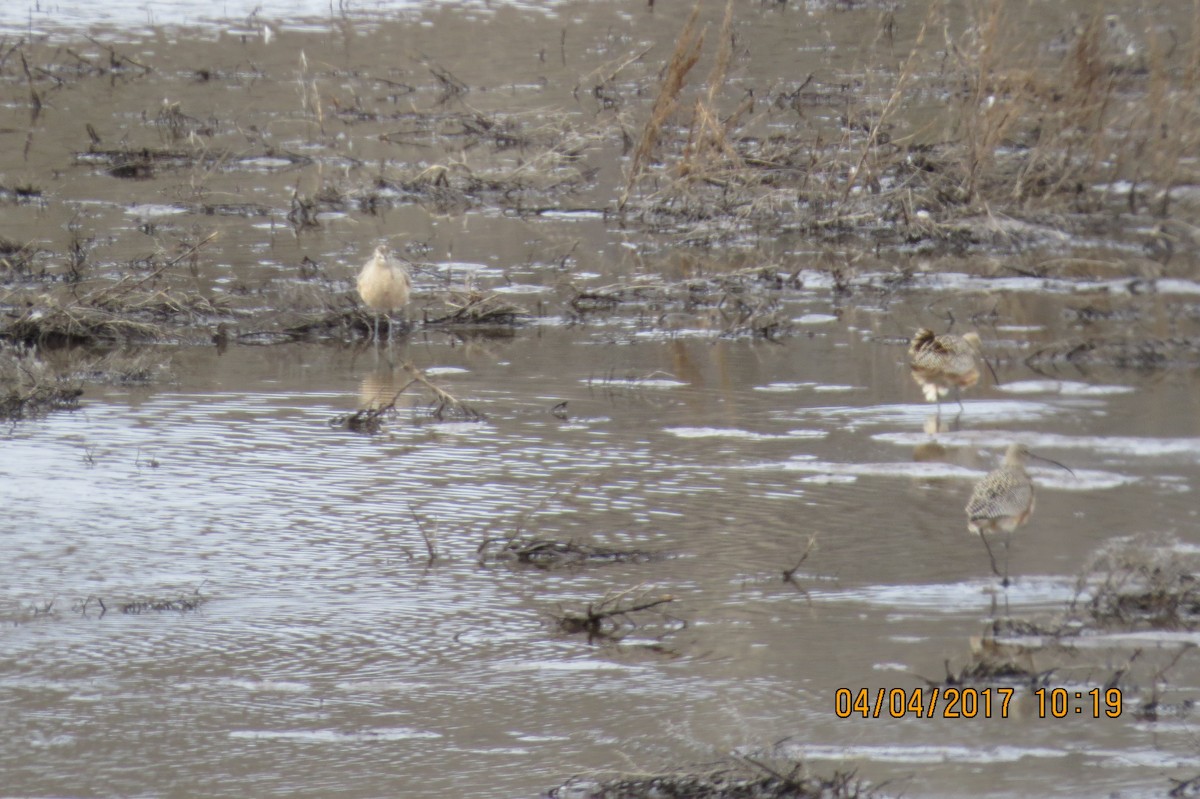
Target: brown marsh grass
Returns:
[1049, 130]
[986, 136]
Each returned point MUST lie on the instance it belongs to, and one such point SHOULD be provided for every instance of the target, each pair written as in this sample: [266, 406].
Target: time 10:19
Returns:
[1059, 702]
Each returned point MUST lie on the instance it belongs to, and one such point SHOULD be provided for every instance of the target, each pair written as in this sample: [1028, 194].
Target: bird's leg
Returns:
[375, 327]
[991, 557]
[958, 397]
[391, 331]
[1006, 582]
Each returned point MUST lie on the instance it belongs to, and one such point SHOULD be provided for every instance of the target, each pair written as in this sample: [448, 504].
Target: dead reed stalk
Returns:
[611, 616]
[993, 102]
[708, 134]
[905, 74]
[444, 400]
[685, 56]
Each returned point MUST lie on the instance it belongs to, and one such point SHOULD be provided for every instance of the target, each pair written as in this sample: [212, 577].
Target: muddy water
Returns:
[333, 658]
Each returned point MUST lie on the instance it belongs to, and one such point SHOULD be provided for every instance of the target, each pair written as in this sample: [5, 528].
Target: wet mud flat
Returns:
[631, 454]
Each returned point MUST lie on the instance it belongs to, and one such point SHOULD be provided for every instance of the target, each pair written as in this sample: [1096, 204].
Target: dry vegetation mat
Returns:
[963, 130]
[1059, 133]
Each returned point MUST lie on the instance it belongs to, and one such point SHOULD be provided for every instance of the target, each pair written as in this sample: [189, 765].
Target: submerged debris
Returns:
[1123, 353]
[178, 604]
[741, 777]
[548, 553]
[442, 406]
[365, 420]
[612, 617]
[94, 604]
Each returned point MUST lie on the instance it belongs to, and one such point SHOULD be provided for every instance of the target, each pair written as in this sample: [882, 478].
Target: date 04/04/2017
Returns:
[969, 703]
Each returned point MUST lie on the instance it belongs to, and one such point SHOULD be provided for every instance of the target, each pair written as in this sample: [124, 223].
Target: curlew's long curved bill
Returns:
[988, 364]
[1051, 461]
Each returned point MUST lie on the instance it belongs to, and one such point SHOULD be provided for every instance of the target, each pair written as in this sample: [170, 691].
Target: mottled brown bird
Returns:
[1003, 501]
[941, 363]
[384, 285]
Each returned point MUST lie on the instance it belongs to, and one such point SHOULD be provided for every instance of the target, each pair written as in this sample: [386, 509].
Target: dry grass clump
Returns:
[1140, 583]
[55, 324]
[993, 663]
[33, 383]
[122, 368]
[748, 776]
[16, 260]
[95, 310]
[474, 308]
[743, 303]
[99, 317]
[1143, 583]
[530, 163]
[29, 387]
[685, 56]
[321, 308]
[21, 194]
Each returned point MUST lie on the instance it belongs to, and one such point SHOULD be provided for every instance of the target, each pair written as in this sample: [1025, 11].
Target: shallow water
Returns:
[333, 658]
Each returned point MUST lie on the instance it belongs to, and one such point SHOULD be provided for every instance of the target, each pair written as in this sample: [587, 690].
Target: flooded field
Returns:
[646, 478]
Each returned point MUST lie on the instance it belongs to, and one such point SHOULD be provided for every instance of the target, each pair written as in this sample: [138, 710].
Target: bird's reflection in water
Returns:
[930, 452]
[382, 387]
[941, 450]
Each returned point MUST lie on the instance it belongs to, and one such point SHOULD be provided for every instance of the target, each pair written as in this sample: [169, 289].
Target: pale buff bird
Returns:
[384, 285]
[941, 363]
[1003, 501]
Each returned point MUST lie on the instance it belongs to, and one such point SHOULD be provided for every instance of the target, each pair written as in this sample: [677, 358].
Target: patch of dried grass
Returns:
[1143, 582]
[29, 387]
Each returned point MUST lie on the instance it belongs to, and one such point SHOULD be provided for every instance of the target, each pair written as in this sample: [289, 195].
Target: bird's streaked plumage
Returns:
[941, 363]
[1003, 499]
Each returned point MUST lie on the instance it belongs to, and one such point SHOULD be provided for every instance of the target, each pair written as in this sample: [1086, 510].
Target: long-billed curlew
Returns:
[384, 285]
[1003, 500]
[941, 363]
